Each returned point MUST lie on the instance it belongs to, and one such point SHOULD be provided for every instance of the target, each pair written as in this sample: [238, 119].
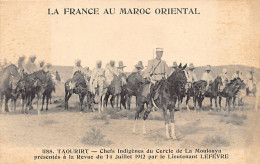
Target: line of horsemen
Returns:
[156, 70]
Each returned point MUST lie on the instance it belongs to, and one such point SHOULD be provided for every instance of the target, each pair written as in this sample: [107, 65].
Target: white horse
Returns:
[100, 92]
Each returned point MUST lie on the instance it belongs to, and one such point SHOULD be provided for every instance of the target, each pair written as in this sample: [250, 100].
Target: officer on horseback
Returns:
[156, 70]
[206, 76]
[30, 65]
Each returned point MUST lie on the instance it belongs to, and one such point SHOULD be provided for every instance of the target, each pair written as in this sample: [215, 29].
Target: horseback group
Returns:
[27, 81]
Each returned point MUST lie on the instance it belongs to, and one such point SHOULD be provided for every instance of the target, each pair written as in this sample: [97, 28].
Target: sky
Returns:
[223, 34]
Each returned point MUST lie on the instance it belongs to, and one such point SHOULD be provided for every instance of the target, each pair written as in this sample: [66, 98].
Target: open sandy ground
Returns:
[24, 136]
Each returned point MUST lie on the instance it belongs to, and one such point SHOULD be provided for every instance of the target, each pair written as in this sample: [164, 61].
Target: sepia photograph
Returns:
[129, 81]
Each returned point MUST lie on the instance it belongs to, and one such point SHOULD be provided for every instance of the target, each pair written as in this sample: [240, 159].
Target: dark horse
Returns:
[78, 86]
[9, 78]
[116, 89]
[168, 92]
[199, 89]
[213, 90]
[50, 87]
[230, 91]
[134, 82]
[38, 84]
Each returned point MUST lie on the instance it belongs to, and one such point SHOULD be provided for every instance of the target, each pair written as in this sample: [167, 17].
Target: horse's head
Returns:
[13, 81]
[13, 70]
[78, 76]
[122, 77]
[240, 83]
[218, 80]
[20, 87]
[178, 80]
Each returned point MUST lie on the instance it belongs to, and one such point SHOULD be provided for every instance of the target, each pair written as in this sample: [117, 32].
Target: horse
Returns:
[168, 91]
[213, 90]
[100, 92]
[9, 78]
[31, 85]
[78, 86]
[134, 81]
[230, 91]
[199, 89]
[116, 90]
[50, 87]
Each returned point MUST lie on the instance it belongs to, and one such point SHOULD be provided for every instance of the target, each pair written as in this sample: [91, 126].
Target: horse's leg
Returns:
[112, 100]
[172, 135]
[48, 97]
[106, 99]
[81, 98]
[228, 103]
[216, 103]
[117, 99]
[38, 99]
[234, 102]
[146, 114]
[128, 101]
[219, 102]
[139, 109]
[195, 103]
[166, 120]
[14, 104]
[102, 102]
[210, 102]
[68, 97]
[6, 103]
[43, 97]
[187, 102]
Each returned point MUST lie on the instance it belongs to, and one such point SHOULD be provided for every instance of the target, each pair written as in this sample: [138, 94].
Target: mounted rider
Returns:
[156, 70]
[120, 68]
[21, 65]
[87, 73]
[174, 67]
[191, 75]
[97, 77]
[206, 76]
[110, 72]
[249, 80]
[237, 74]
[77, 67]
[139, 67]
[30, 66]
[224, 78]
[42, 65]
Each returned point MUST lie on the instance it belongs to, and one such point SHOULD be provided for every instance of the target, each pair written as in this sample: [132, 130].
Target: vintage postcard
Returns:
[129, 81]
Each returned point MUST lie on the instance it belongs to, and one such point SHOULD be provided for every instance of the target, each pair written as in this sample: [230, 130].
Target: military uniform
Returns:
[157, 68]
